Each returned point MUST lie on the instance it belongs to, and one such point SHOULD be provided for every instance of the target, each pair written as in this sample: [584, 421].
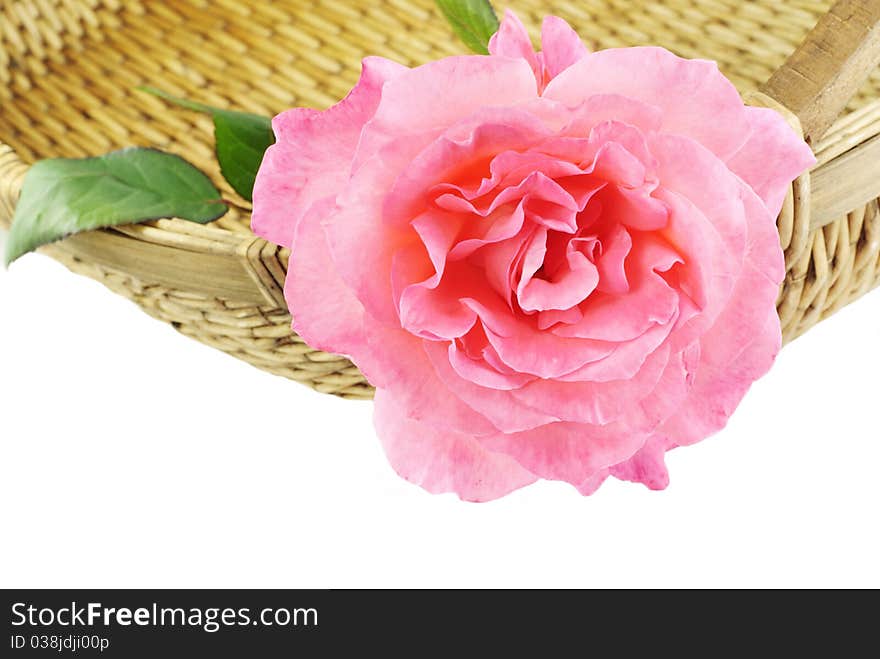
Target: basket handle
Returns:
[829, 67]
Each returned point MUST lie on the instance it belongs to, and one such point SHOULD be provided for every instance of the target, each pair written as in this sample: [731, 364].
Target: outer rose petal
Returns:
[647, 466]
[328, 315]
[312, 156]
[561, 46]
[571, 452]
[719, 389]
[580, 453]
[695, 98]
[504, 412]
[742, 344]
[703, 181]
[512, 40]
[416, 386]
[595, 402]
[600, 108]
[362, 246]
[771, 158]
[428, 99]
[444, 461]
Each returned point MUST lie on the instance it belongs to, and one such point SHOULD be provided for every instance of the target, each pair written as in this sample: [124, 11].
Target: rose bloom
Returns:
[551, 265]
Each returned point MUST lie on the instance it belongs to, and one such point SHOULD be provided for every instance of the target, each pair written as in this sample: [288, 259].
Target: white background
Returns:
[135, 457]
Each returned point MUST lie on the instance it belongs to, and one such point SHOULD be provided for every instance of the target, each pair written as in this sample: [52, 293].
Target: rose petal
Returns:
[695, 98]
[569, 452]
[582, 453]
[771, 158]
[425, 101]
[499, 227]
[480, 372]
[500, 261]
[610, 264]
[650, 301]
[328, 315]
[504, 412]
[362, 246]
[561, 46]
[547, 319]
[597, 403]
[625, 360]
[312, 156]
[599, 108]
[415, 383]
[647, 466]
[458, 154]
[509, 167]
[437, 312]
[745, 338]
[570, 286]
[512, 40]
[526, 349]
[708, 224]
[719, 387]
[636, 208]
[443, 461]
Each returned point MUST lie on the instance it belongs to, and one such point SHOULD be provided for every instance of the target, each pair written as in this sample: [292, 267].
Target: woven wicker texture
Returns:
[68, 69]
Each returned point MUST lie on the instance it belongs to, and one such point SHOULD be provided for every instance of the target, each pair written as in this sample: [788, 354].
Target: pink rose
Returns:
[551, 265]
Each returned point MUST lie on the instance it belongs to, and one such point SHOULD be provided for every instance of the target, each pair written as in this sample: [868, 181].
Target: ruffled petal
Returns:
[526, 349]
[570, 286]
[441, 460]
[610, 264]
[481, 372]
[620, 318]
[441, 310]
[451, 157]
[708, 225]
[599, 108]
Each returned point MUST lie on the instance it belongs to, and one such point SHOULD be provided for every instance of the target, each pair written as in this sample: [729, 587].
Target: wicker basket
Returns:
[68, 69]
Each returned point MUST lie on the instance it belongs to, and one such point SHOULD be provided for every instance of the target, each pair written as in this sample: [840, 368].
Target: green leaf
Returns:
[65, 196]
[241, 140]
[474, 21]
